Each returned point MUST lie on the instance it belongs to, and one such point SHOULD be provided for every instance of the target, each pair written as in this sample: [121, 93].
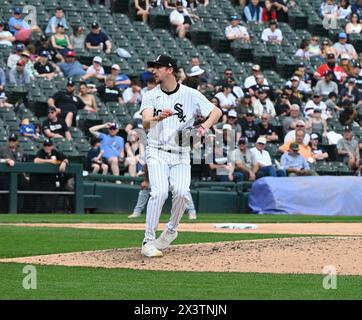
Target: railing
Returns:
[26, 167]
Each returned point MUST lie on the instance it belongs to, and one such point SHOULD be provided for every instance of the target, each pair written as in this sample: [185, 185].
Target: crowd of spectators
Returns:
[295, 119]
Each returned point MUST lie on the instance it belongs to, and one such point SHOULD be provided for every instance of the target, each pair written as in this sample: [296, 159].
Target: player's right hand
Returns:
[165, 114]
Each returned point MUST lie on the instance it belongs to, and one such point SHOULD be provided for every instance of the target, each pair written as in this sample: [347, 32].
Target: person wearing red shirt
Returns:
[269, 13]
[339, 75]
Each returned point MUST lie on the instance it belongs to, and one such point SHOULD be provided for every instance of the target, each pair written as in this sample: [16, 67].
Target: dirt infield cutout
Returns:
[301, 255]
[341, 229]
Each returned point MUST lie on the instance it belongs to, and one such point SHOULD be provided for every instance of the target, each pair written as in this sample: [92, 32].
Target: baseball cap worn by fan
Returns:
[47, 142]
[314, 136]
[261, 140]
[232, 113]
[195, 71]
[18, 10]
[255, 67]
[294, 146]
[331, 56]
[234, 17]
[97, 59]
[95, 25]
[70, 54]
[70, 82]
[243, 140]
[163, 61]
[227, 127]
[342, 35]
[44, 54]
[114, 126]
[52, 109]
[13, 137]
[19, 47]
[116, 67]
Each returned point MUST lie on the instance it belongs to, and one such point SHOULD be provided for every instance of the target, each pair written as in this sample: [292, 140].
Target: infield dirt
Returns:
[300, 255]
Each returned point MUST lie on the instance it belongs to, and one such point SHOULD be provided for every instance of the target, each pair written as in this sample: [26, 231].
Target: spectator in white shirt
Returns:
[6, 38]
[95, 70]
[226, 98]
[272, 34]
[263, 105]
[263, 160]
[235, 31]
[251, 80]
[316, 103]
[133, 93]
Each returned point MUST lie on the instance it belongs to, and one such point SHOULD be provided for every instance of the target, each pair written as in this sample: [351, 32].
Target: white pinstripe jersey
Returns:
[185, 102]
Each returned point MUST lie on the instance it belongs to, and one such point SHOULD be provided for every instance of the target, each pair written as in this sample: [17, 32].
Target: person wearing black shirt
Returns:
[53, 127]
[282, 105]
[66, 103]
[265, 129]
[248, 127]
[44, 68]
[49, 182]
[97, 39]
[44, 45]
[109, 92]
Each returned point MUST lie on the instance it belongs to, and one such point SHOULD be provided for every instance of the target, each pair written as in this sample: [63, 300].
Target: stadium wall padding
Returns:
[324, 195]
[108, 197]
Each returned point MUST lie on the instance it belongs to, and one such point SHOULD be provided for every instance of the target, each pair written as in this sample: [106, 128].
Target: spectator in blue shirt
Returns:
[294, 163]
[122, 80]
[55, 20]
[111, 143]
[19, 28]
[16, 22]
[71, 67]
[97, 39]
[357, 8]
[253, 12]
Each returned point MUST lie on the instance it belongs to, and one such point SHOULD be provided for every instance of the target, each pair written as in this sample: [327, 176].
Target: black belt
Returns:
[170, 151]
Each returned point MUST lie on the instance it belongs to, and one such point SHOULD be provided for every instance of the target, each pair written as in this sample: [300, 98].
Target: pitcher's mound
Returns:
[287, 255]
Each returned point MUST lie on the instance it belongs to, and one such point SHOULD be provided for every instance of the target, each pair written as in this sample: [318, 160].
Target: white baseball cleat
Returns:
[165, 239]
[150, 251]
[134, 215]
[192, 216]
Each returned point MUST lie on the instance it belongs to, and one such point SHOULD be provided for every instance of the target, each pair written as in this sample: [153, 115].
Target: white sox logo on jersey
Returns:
[180, 112]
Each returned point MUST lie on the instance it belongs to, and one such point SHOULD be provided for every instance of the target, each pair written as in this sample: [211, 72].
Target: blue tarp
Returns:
[326, 195]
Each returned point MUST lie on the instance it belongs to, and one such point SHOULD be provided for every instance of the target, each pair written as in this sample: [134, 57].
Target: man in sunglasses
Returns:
[294, 163]
[54, 127]
[19, 75]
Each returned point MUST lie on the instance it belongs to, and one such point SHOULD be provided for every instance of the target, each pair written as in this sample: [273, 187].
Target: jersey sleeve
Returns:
[147, 103]
[204, 106]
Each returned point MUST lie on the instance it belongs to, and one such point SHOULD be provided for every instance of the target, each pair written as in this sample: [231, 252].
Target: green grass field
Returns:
[95, 283]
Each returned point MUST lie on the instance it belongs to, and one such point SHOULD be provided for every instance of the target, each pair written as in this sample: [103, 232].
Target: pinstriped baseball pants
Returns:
[167, 171]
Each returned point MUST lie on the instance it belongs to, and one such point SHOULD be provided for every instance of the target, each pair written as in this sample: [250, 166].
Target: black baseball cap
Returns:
[13, 137]
[294, 146]
[47, 142]
[60, 25]
[347, 128]
[357, 65]
[164, 61]
[70, 82]
[243, 140]
[331, 56]
[95, 25]
[114, 126]
[52, 109]
[250, 113]
[328, 73]
[43, 37]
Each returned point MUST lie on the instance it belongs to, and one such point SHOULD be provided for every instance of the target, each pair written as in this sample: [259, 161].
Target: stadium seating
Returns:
[143, 41]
